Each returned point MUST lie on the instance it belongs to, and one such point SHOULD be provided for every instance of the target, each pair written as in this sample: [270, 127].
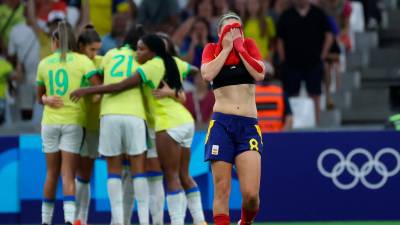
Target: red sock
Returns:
[222, 219]
[247, 216]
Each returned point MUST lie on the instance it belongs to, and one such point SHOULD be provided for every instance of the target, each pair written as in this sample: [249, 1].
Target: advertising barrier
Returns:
[305, 177]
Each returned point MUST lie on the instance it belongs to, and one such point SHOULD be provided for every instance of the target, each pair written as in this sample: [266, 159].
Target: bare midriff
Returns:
[236, 100]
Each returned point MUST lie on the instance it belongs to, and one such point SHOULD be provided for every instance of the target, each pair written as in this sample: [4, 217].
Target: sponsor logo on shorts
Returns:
[214, 150]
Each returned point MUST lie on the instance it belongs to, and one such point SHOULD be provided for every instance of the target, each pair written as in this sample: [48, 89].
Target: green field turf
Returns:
[335, 223]
[313, 223]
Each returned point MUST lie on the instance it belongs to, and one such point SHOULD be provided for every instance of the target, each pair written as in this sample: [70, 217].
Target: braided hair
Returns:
[172, 75]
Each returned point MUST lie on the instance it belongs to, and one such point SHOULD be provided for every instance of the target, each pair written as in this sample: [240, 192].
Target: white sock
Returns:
[128, 195]
[114, 186]
[47, 211]
[82, 189]
[69, 209]
[175, 201]
[193, 197]
[141, 189]
[184, 207]
[157, 197]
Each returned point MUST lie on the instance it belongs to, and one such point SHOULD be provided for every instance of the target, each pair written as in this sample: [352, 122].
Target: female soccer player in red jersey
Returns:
[234, 138]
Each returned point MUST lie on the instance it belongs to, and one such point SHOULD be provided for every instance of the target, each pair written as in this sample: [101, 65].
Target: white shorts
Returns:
[91, 145]
[67, 138]
[151, 139]
[122, 134]
[182, 134]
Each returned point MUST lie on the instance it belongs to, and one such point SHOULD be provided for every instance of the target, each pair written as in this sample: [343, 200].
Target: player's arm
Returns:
[194, 70]
[51, 101]
[166, 91]
[41, 91]
[249, 55]
[126, 84]
[212, 65]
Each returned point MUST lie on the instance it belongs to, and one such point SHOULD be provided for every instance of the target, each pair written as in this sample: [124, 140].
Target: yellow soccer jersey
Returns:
[168, 113]
[5, 69]
[93, 109]
[117, 65]
[60, 79]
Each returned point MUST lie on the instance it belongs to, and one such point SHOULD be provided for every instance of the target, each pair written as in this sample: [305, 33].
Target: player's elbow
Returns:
[259, 76]
[207, 73]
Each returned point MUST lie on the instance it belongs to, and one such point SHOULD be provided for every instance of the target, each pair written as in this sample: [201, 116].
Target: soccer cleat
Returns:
[68, 223]
[248, 223]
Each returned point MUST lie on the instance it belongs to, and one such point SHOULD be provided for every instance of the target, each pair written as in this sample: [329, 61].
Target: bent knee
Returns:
[250, 197]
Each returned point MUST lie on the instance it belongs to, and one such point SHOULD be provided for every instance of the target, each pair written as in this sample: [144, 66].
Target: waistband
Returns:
[222, 117]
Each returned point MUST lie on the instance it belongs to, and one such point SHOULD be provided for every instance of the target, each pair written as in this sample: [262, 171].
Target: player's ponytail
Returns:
[88, 36]
[65, 38]
[172, 75]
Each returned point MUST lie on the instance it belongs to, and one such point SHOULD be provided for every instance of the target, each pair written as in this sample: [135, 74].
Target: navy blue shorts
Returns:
[229, 135]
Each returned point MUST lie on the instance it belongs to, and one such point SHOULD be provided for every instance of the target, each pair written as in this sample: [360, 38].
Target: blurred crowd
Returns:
[289, 33]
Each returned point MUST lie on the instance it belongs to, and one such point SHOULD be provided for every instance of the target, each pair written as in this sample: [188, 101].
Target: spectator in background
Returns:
[278, 7]
[304, 40]
[116, 37]
[11, 13]
[273, 108]
[24, 48]
[239, 7]
[192, 47]
[260, 27]
[159, 15]
[206, 9]
[200, 101]
[202, 9]
[102, 13]
[221, 7]
[338, 12]
[5, 74]
[372, 13]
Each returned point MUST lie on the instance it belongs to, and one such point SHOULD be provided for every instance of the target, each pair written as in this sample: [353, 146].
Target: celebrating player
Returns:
[62, 126]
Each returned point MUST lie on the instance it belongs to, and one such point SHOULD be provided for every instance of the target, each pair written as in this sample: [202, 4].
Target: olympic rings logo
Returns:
[359, 173]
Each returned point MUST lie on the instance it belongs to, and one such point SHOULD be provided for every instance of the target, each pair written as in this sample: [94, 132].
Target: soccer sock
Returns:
[114, 186]
[128, 194]
[157, 197]
[141, 189]
[222, 219]
[175, 201]
[184, 207]
[247, 216]
[47, 211]
[193, 197]
[69, 209]
[82, 199]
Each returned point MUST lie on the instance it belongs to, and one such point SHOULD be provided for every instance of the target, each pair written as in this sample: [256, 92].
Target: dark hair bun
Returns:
[89, 27]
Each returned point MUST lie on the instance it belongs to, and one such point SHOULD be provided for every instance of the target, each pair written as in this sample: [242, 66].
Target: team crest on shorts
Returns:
[214, 150]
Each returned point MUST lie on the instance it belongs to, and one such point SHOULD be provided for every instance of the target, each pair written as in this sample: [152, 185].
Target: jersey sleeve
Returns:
[252, 49]
[151, 72]
[208, 53]
[89, 69]
[40, 74]
[183, 67]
